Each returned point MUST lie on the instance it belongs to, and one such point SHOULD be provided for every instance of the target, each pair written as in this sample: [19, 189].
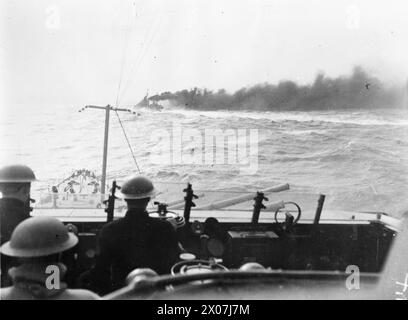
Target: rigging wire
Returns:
[128, 142]
[124, 56]
[125, 49]
[144, 49]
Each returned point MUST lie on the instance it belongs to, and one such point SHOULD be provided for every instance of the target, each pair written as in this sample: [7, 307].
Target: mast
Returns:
[105, 148]
[107, 109]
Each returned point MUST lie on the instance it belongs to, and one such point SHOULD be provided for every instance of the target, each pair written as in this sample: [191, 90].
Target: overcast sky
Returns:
[72, 52]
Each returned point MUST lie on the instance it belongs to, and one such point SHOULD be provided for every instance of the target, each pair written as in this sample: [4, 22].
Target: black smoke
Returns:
[358, 90]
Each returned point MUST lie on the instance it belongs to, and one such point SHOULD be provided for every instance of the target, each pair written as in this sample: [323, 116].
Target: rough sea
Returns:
[357, 158]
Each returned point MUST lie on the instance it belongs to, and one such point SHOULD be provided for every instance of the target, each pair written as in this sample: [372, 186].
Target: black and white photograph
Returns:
[204, 155]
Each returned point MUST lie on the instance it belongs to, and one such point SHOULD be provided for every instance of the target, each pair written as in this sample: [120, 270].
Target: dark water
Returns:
[357, 158]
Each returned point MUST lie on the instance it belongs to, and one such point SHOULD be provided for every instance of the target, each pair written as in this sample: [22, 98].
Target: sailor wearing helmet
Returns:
[37, 243]
[15, 185]
[135, 241]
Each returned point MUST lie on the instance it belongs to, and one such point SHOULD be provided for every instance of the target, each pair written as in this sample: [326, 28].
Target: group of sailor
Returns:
[32, 247]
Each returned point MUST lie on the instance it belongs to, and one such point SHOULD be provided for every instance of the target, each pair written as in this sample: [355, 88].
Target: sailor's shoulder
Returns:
[112, 227]
[14, 293]
[5, 293]
[161, 224]
[78, 294]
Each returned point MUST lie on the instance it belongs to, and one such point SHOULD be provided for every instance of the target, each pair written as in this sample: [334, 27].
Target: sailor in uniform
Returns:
[37, 243]
[15, 186]
[135, 241]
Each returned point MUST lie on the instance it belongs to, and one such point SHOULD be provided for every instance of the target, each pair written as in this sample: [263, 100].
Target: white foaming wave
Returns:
[357, 118]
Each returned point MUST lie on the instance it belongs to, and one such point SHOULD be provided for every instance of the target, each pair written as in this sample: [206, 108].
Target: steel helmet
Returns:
[137, 187]
[39, 237]
[17, 173]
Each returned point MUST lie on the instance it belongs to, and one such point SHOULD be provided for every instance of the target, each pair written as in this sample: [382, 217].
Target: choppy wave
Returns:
[339, 117]
[358, 158]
